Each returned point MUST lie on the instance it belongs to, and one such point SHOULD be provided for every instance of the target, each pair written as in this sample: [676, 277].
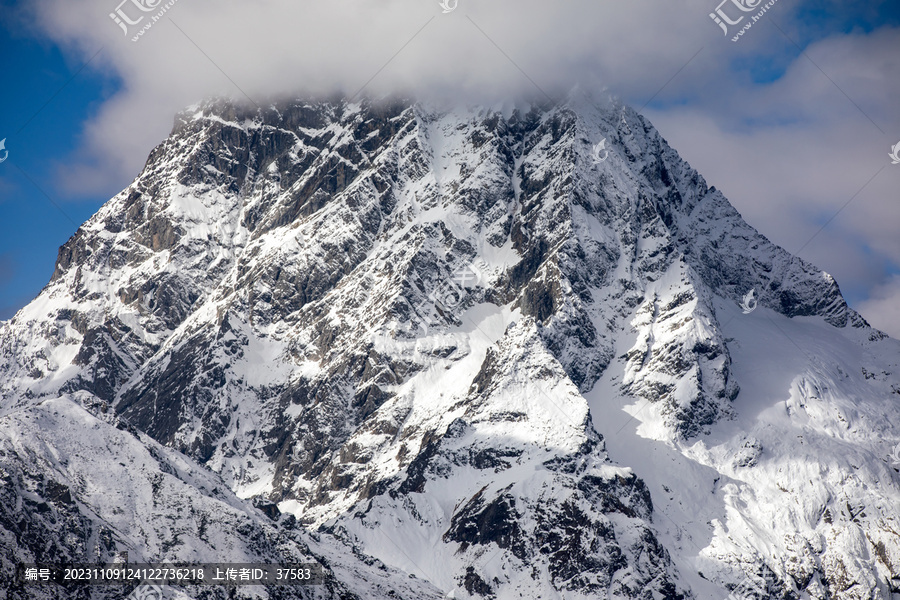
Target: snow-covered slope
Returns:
[800, 486]
[79, 487]
[497, 349]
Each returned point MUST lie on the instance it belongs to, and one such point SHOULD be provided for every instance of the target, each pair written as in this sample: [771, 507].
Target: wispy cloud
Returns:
[794, 154]
[278, 47]
[883, 307]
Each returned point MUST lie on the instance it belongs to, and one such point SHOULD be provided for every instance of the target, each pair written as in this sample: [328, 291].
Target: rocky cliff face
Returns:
[415, 331]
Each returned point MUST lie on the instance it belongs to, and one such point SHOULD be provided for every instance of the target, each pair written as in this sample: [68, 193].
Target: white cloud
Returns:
[796, 154]
[280, 47]
[882, 309]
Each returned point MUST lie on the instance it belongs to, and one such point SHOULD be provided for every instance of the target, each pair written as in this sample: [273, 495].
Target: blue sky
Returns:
[790, 122]
[44, 108]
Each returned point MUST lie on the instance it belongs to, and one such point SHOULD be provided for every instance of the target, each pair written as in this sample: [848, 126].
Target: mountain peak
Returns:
[412, 328]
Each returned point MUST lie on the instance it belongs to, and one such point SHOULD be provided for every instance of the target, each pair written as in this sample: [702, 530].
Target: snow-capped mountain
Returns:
[507, 352]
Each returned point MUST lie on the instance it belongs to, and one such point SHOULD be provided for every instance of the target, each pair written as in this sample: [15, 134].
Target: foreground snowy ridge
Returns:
[464, 358]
